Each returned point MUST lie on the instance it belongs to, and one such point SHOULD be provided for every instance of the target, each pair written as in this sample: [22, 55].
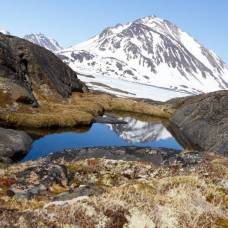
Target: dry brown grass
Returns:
[160, 197]
[79, 109]
[196, 198]
[149, 203]
[128, 105]
[5, 99]
[67, 118]
[21, 204]
[142, 117]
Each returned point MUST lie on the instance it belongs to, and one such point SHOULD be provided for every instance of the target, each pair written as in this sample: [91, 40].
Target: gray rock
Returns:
[13, 142]
[202, 122]
[147, 154]
[38, 179]
[34, 68]
[85, 190]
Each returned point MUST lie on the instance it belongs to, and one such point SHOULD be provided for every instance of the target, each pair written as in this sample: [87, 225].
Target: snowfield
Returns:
[123, 88]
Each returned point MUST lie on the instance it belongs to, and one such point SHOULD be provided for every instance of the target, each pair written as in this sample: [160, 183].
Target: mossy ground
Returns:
[134, 194]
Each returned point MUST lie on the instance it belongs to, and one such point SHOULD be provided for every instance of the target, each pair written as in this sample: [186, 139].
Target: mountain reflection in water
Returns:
[134, 133]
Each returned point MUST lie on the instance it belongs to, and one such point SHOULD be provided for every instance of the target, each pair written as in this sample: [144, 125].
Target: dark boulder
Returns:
[202, 121]
[13, 143]
[35, 69]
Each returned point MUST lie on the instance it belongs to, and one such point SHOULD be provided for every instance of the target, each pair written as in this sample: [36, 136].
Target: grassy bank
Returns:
[79, 109]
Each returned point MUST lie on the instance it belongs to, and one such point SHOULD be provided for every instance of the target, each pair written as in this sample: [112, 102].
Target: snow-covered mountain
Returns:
[136, 131]
[148, 51]
[44, 41]
[4, 32]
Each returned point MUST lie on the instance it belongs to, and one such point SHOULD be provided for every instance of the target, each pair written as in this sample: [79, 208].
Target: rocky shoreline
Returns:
[13, 143]
[198, 122]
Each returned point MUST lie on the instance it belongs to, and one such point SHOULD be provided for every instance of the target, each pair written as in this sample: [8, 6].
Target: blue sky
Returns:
[72, 21]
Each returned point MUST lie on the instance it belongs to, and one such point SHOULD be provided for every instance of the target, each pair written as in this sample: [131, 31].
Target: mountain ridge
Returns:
[44, 41]
[144, 51]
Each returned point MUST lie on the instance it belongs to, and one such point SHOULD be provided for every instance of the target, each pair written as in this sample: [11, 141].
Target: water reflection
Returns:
[135, 133]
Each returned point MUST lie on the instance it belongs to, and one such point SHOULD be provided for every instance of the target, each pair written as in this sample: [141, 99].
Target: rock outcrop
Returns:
[13, 142]
[202, 121]
[29, 72]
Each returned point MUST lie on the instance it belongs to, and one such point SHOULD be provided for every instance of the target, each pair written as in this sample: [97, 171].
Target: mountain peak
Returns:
[150, 51]
[44, 41]
[149, 19]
